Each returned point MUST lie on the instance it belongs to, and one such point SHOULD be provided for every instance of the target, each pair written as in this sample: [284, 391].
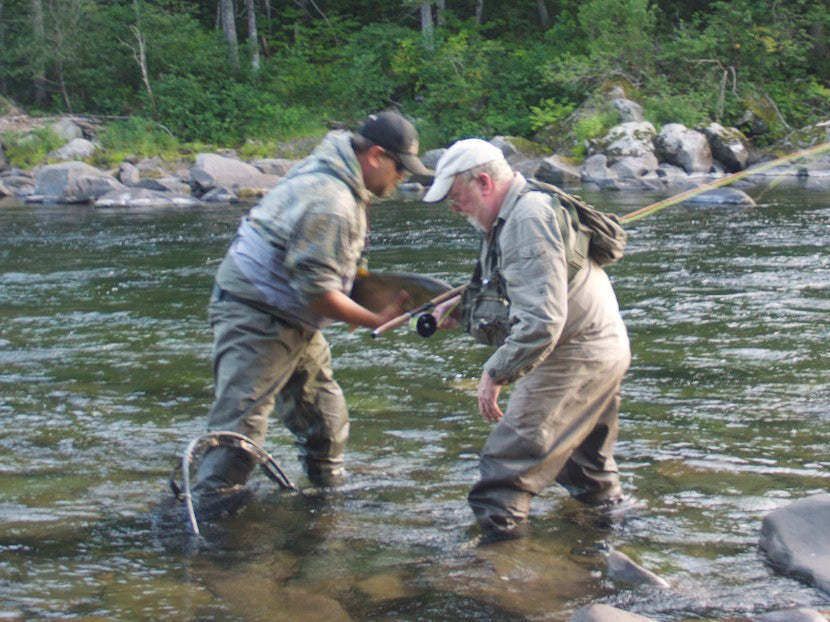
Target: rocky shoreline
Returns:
[631, 157]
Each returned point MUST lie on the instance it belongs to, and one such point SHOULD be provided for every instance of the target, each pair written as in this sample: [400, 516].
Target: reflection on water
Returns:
[105, 374]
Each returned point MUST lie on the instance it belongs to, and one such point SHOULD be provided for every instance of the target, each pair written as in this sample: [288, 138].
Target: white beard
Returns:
[474, 222]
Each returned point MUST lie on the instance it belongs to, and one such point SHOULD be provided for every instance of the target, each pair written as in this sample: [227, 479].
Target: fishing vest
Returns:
[485, 305]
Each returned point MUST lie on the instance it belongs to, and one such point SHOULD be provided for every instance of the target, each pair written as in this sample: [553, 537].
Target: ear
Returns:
[373, 155]
[485, 184]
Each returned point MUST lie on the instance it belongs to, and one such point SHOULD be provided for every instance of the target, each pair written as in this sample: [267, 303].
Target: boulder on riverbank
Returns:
[796, 540]
[72, 182]
[216, 171]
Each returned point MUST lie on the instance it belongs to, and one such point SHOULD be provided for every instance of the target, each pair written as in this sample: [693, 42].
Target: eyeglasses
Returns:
[399, 167]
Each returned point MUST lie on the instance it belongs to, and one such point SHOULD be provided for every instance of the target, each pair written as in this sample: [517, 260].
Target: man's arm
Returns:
[339, 307]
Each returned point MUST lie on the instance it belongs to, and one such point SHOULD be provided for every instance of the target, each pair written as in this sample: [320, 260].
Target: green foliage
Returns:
[592, 124]
[548, 112]
[689, 61]
[27, 149]
[136, 136]
[620, 34]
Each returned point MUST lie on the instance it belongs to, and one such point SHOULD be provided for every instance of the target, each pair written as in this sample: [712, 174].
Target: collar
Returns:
[510, 199]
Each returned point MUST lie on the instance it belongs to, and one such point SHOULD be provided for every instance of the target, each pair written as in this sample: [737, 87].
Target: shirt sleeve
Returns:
[535, 269]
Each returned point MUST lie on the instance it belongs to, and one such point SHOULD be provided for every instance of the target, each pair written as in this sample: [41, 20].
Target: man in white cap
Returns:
[559, 338]
[286, 275]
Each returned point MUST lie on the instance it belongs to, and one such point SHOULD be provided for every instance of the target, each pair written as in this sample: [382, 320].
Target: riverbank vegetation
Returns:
[251, 73]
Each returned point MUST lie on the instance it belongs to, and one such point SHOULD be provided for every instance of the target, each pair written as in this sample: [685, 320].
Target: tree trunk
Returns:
[544, 18]
[426, 24]
[39, 55]
[479, 12]
[140, 51]
[442, 10]
[253, 45]
[229, 28]
[2, 46]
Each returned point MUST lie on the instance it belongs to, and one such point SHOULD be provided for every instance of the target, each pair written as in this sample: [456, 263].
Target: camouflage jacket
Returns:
[305, 237]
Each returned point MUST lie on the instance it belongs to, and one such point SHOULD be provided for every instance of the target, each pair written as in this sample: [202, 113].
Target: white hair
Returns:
[498, 170]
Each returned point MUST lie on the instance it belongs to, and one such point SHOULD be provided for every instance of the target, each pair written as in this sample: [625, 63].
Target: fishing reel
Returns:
[424, 324]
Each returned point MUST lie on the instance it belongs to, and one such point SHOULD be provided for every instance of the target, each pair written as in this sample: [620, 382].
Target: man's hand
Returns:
[338, 306]
[488, 396]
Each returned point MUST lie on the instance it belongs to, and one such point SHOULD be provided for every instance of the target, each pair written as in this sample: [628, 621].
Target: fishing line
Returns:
[693, 192]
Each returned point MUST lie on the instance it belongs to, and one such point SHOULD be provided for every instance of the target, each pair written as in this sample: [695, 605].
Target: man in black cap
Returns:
[285, 276]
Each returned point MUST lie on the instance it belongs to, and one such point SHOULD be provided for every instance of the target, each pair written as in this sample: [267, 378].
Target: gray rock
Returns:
[622, 569]
[507, 148]
[629, 139]
[796, 540]
[215, 171]
[75, 149]
[595, 171]
[166, 184]
[634, 167]
[4, 192]
[555, 170]
[19, 183]
[628, 110]
[431, 157]
[411, 190]
[219, 195]
[274, 166]
[4, 163]
[606, 613]
[66, 129]
[729, 147]
[90, 187]
[142, 197]
[71, 182]
[688, 149]
[151, 167]
[128, 174]
[790, 615]
[721, 196]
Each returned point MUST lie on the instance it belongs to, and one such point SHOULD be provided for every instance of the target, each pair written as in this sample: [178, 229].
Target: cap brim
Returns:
[413, 164]
[439, 189]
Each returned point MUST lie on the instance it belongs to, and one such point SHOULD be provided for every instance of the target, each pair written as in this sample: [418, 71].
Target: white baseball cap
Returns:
[461, 156]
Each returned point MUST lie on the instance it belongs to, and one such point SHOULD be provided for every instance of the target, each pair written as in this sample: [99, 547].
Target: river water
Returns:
[105, 374]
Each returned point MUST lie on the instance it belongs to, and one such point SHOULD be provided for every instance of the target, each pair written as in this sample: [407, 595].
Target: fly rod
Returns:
[405, 317]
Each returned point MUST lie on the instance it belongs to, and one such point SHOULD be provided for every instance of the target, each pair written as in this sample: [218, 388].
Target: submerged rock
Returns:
[790, 615]
[142, 197]
[622, 569]
[796, 540]
[721, 196]
[607, 613]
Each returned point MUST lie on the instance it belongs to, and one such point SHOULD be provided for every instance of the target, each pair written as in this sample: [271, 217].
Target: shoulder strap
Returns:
[574, 237]
[600, 234]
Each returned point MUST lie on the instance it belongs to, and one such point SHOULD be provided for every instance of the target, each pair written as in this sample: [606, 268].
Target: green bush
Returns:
[137, 136]
[28, 149]
[548, 112]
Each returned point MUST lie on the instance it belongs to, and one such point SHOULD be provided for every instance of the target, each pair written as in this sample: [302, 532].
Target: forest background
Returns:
[257, 74]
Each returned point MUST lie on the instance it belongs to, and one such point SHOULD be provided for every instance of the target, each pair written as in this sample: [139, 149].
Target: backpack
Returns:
[600, 235]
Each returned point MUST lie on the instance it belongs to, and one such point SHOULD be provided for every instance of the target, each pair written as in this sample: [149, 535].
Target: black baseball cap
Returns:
[398, 136]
